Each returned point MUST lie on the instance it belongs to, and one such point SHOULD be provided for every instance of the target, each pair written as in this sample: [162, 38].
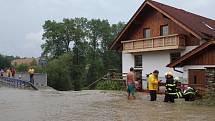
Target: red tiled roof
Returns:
[201, 27]
[191, 53]
[198, 24]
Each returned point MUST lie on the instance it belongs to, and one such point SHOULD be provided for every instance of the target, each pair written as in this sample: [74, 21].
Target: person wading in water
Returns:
[130, 84]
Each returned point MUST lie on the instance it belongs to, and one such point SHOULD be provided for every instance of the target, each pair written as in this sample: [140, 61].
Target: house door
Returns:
[196, 76]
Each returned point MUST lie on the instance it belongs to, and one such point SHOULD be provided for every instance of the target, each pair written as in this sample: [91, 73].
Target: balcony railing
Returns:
[156, 43]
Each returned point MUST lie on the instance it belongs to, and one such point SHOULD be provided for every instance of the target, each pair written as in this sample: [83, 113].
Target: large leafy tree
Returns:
[98, 31]
[87, 41]
[5, 61]
[111, 58]
[79, 51]
[52, 35]
[58, 71]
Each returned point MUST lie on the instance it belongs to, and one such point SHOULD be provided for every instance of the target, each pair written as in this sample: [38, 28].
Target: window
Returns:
[138, 61]
[174, 56]
[146, 33]
[138, 74]
[164, 30]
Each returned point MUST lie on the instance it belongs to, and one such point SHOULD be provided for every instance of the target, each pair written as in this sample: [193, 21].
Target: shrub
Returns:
[95, 72]
[110, 85]
[58, 71]
[22, 68]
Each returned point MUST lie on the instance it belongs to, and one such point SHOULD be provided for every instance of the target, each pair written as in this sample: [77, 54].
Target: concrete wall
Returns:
[40, 80]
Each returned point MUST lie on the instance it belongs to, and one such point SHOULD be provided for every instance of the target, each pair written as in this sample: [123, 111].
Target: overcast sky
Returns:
[21, 20]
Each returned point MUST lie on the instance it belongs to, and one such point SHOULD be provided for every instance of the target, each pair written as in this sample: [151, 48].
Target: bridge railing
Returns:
[16, 83]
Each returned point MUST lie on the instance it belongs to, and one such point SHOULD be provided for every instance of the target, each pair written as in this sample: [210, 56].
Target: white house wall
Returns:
[127, 62]
[157, 60]
[187, 49]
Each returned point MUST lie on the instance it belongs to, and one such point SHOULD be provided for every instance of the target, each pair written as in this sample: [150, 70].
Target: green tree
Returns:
[88, 41]
[98, 33]
[116, 28]
[79, 53]
[4, 61]
[56, 41]
[39, 69]
[95, 72]
[58, 71]
[97, 30]
[22, 68]
[34, 62]
[111, 58]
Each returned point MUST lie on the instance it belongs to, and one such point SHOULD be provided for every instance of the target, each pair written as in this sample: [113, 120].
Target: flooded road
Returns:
[51, 105]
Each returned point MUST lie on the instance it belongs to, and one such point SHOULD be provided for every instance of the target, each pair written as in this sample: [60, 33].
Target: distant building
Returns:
[27, 61]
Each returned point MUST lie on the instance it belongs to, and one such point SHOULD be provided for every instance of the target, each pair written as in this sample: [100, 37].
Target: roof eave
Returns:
[112, 46]
[149, 2]
[176, 21]
[189, 54]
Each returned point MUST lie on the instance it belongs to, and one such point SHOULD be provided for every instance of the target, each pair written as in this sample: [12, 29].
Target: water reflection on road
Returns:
[51, 105]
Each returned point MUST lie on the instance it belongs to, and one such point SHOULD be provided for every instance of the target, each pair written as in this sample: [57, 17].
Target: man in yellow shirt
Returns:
[8, 72]
[31, 74]
[153, 85]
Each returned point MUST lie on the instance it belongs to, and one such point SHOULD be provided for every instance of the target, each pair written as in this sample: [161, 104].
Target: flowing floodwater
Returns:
[51, 105]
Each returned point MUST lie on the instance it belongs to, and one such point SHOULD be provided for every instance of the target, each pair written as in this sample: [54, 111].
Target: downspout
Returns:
[177, 70]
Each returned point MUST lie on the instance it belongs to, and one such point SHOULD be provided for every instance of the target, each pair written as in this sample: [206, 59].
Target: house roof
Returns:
[201, 27]
[190, 54]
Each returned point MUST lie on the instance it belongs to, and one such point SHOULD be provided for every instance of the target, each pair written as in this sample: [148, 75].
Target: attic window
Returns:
[164, 30]
[146, 33]
[208, 26]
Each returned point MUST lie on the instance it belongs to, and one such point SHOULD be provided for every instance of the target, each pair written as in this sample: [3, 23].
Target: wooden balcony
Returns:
[154, 44]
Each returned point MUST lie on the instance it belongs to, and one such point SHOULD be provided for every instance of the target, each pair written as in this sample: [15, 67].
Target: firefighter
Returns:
[189, 94]
[179, 93]
[170, 85]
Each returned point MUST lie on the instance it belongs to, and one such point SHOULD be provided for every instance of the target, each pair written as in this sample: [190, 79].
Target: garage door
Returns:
[197, 80]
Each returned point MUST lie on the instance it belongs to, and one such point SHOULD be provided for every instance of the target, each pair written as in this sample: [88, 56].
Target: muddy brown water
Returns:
[51, 105]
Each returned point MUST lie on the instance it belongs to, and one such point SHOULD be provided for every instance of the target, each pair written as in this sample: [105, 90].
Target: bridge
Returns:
[16, 83]
[22, 81]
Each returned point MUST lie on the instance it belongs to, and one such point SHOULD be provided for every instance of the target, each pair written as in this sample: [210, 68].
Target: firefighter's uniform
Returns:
[170, 91]
[189, 94]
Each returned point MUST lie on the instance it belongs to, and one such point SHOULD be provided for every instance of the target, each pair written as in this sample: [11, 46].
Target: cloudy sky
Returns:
[21, 20]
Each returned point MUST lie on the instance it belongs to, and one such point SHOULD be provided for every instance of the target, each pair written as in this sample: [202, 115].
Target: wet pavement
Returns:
[51, 105]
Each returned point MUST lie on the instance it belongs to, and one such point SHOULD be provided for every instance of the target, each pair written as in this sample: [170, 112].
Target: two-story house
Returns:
[165, 38]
